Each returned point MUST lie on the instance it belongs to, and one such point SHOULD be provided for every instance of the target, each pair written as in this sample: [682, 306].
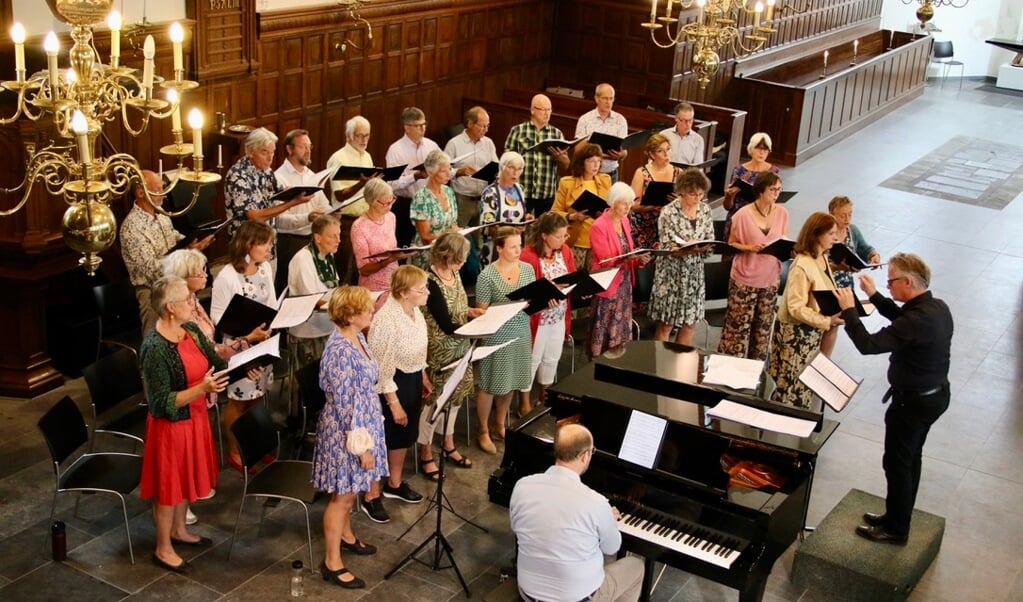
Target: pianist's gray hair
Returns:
[259, 138]
[184, 263]
[353, 123]
[435, 160]
[620, 193]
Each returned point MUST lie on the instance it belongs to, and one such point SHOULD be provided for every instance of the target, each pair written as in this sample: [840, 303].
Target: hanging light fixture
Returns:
[716, 27]
[926, 11]
[78, 103]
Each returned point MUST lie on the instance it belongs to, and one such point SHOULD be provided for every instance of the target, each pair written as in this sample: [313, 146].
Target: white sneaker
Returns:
[190, 519]
[209, 495]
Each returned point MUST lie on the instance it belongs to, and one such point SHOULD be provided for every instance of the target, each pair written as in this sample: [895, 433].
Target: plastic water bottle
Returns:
[297, 585]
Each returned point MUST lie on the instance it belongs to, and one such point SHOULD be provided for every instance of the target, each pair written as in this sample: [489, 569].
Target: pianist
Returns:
[564, 529]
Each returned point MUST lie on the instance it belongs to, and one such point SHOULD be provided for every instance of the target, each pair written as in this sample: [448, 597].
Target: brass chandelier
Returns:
[926, 11]
[716, 27]
[79, 102]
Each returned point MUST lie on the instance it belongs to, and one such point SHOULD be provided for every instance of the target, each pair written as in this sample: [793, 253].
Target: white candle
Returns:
[856, 47]
[700, 4]
[667, 10]
[114, 21]
[52, 47]
[18, 37]
[148, 51]
[770, 10]
[177, 35]
[758, 9]
[161, 170]
[195, 122]
[172, 97]
[220, 155]
[825, 59]
[80, 127]
[653, 10]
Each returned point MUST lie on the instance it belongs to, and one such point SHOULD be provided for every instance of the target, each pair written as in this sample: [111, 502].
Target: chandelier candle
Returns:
[195, 122]
[856, 47]
[177, 35]
[80, 127]
[52, 47]
[18, 37]
[114, 22]
[148, 51]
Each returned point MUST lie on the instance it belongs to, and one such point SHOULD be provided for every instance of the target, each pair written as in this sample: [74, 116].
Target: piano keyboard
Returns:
[681, 536]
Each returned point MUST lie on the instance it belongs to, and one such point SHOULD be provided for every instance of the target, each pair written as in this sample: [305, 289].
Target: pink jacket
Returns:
[604, 243]
[529, 256]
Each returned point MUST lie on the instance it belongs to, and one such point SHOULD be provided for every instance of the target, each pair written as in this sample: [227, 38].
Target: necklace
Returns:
[756, 206]
[446, 279]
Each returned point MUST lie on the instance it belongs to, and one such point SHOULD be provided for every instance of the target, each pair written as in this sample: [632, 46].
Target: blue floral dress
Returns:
[348, 378]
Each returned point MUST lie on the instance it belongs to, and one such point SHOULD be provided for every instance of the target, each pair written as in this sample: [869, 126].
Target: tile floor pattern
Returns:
[972, 473]
[968, 170]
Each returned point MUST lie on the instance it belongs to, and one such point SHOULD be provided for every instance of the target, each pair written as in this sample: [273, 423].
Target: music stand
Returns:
[439, 500]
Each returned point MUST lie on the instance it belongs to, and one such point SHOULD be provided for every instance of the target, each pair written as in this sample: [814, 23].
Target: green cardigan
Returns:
[164, 373]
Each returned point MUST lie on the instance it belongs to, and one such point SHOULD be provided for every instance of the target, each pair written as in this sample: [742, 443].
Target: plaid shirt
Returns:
[540, 175]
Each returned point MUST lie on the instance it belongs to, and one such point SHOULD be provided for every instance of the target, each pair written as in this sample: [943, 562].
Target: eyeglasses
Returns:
[416, 125]
[424, 290]
[891, 280]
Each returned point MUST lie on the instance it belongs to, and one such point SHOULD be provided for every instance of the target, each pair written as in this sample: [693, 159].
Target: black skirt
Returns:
[410, 396]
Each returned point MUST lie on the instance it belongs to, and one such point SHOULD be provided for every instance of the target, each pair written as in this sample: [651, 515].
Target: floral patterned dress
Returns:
[612, 316]
[678, 291]
[426, 207]
[348, 377]
[499, 204]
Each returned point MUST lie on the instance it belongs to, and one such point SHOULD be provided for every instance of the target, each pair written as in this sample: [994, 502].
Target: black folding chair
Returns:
[257, 436]
[65, 431]
[119, 320]
[716, 276]
[118, 399]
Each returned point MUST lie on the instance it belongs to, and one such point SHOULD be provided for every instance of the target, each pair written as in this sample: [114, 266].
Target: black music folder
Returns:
[586, 283]
[658, 194]
[828, 303]
[781, 248]
[842, 254]
[543, 145]
[590, 204]
[200, 233]
[294, 191]
[539, 293]
[487, 173]
[399, 250]
[351, 172]
[608, 142]
[703, 165]
[243, 315]
[717, 247]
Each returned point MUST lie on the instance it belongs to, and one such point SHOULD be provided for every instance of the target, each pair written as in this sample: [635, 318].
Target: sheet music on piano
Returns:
[733, 372]
[643, 437]
[761, 419]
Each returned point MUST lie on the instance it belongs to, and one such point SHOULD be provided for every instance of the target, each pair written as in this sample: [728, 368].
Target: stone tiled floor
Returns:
[972, 473]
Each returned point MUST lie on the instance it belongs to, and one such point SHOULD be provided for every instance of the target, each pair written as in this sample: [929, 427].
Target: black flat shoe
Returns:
[880, 535]
[874, 520]
[182, 568]
[332, 577]
[433, 475]
[202, 542]
[360, 548]
[461, 461]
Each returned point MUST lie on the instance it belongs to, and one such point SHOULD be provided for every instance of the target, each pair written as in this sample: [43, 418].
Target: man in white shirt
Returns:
[602, 119]
[352, 154]
[687, 147]
[411, 150]
[294, 226]
[564, 529]
[472, 140]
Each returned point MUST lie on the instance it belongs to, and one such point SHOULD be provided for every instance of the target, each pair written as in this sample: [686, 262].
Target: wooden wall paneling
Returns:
[224, 41]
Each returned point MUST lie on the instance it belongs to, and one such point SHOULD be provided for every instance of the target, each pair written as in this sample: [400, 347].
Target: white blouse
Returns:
[398, 342]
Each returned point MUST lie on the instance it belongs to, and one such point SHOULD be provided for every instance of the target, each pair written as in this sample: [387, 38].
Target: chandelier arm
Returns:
[21, 109]
[124, 119]
[53, 180]
[653, 38]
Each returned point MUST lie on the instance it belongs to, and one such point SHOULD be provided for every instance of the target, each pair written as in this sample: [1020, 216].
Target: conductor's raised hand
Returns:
[867, 285]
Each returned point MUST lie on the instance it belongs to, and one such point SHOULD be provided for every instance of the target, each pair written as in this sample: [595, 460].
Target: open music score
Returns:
[829, 382]
[769, 421]
[643, 437]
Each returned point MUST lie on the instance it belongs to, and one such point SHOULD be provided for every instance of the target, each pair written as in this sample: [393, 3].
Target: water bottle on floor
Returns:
[297, 585]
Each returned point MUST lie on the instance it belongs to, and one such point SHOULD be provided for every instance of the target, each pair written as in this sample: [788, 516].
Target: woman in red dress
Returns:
[179, 463]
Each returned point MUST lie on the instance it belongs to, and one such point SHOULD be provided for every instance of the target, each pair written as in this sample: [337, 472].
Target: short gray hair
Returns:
[183, 263]
[410, 114]
[620, 193]
[375, 189]
[161, 292]
[758, 139]
[259, 138]
[435, 160]
[510, 158]
[353, 123]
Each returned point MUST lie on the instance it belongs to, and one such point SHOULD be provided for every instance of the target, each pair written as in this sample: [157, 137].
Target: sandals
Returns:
[433, 475]
[332, 577]
[461, 461]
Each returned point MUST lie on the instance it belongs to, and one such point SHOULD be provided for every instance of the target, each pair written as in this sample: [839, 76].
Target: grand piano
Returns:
[686, 510]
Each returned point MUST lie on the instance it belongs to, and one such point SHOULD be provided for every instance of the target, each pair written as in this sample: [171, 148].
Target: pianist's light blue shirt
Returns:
[564, 529]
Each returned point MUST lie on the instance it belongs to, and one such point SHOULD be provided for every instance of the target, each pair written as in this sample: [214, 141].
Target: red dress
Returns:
[179, 462]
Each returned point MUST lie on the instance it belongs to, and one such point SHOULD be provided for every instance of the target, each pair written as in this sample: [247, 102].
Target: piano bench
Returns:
[836, 563]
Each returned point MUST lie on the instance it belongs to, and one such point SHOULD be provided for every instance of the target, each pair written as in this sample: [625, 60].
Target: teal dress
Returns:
[507, 369]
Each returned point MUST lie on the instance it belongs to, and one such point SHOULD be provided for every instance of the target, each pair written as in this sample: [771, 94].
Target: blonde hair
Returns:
[346, 302]
[404, 278]
[183, 263]
[758, 139]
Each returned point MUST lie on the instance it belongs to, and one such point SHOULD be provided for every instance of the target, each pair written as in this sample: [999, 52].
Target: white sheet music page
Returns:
[643, 438]
[491, 321]
[271, 346]
[829, 382]
[733, 372]
[480, 352]
[295, 310]
[450, 385]
[736, 412]
[605, 277]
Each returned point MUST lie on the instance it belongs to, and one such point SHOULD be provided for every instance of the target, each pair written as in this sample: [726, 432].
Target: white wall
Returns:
[36, 17]
[967, 28]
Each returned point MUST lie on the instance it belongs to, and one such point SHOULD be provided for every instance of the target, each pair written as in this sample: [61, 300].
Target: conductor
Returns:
[564, 529]
[918, 338]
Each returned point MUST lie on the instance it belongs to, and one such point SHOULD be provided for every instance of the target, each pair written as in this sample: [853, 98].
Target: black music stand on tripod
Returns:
[439, 500]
